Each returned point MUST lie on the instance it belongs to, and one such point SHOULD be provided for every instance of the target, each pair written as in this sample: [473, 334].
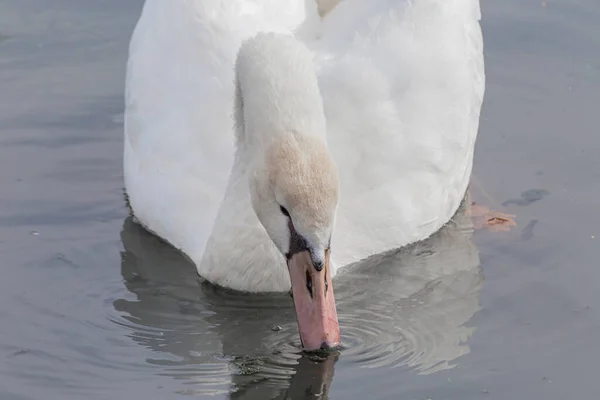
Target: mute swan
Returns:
[252, 127]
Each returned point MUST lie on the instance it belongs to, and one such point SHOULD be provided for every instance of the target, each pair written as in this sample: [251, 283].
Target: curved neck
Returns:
[277, 96]
[277, 92]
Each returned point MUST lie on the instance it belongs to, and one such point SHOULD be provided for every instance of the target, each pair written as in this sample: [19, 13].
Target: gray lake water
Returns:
[93, 307]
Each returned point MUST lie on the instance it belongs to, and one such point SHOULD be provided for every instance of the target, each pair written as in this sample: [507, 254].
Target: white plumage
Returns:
[402, 85]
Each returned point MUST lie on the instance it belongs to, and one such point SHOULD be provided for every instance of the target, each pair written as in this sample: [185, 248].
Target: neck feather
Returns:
[277, 92]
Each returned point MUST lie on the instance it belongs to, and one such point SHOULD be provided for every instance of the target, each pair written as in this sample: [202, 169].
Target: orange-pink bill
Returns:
[314, 301]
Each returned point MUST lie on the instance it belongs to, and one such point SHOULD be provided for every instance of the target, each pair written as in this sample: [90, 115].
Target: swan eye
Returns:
[284, 211]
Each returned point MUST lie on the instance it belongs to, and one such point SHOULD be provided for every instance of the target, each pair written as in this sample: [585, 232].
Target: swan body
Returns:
[392, 116]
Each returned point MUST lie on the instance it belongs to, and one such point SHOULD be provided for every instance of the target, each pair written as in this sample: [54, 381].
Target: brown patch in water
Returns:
[494, 221]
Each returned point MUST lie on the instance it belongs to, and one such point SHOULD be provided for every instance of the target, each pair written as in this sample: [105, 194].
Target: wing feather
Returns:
[402, 83]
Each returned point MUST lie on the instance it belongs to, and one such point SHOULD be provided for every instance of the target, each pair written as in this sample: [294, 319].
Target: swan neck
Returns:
[277, 91]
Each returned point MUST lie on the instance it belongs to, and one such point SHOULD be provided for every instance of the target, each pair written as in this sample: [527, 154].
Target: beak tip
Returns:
[326, 346]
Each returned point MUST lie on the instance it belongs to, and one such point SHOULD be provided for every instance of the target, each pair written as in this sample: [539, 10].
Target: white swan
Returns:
[365, 119]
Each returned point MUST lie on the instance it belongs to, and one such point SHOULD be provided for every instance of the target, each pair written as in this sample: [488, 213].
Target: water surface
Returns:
[94, 307]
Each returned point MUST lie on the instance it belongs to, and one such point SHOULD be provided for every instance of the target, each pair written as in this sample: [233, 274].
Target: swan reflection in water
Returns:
[406, 308]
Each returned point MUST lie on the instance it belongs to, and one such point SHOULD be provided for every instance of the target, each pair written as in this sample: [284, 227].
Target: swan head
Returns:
[294, 192]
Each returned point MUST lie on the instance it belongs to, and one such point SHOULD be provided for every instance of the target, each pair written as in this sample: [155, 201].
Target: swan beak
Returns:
[312, 291]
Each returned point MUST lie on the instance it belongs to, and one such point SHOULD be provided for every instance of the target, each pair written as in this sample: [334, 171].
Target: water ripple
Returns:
[158, 320]
[408, 308]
